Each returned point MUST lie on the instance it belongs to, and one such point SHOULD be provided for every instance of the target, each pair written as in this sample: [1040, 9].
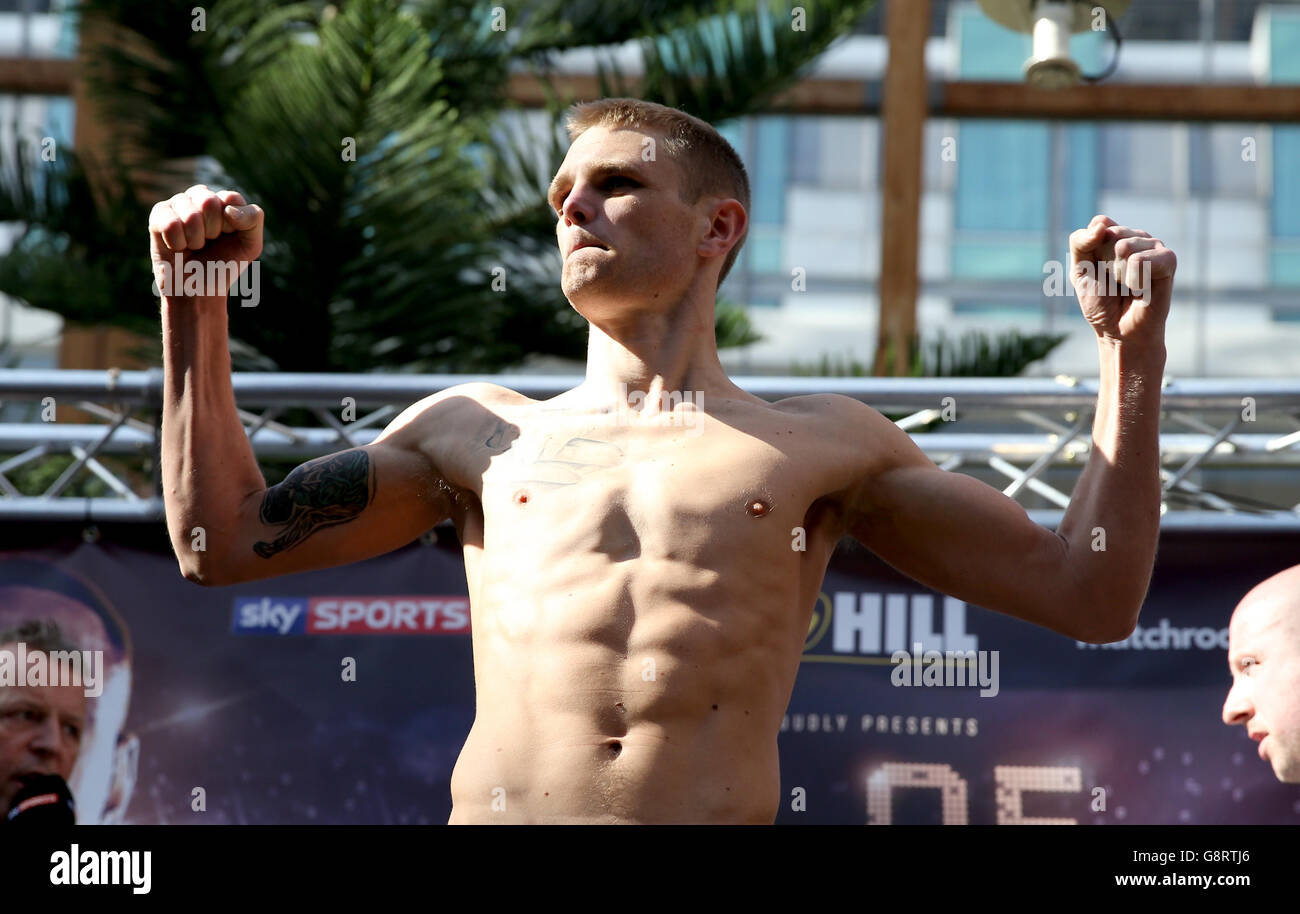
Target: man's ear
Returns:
[727, 223]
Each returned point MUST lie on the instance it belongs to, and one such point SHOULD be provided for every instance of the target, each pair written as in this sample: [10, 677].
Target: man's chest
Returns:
[665, 491]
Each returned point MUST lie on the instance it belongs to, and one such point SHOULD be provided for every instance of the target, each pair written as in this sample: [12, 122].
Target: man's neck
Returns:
[664, 358]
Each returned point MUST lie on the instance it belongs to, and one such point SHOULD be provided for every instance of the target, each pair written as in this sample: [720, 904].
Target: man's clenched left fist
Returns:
[1124, 280]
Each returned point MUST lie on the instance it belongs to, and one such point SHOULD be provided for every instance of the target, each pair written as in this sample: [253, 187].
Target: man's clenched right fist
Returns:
[213, 228]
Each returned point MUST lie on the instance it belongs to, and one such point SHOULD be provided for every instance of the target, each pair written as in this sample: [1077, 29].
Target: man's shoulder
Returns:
[462, 409]
[472, 398]
[849, 433]
[831, 408]
[484, 393]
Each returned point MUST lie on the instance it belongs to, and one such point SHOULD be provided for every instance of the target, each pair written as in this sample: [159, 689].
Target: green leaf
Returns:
[385, 260]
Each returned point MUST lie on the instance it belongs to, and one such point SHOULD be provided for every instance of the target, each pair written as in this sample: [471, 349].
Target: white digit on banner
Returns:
[1013, 780]
[893, 776]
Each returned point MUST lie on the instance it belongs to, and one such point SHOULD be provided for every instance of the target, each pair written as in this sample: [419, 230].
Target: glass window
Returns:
[1002, 200]
[771, 169]
[997, 309]
[805, 157]
[848, 153]
[987, 50]
[763, 247]
[1166, 20]
[733, 132]
[1234, 19]
[1224, 160]
[1284, 44]
[1081, 166]
[1002, 175]
[939, 168]
[1139, 157]
[1286, 264]
[1286, 181]
[1015, 257]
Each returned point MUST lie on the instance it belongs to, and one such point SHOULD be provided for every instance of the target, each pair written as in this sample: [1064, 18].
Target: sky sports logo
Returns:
[383, 615]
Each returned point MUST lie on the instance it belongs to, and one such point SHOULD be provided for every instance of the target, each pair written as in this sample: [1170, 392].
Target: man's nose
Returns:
[48, 738]
[1237, 708]
[575, 208]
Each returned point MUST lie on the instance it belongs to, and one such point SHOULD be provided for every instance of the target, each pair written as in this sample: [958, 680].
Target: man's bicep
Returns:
[334, 510]
[964, 538]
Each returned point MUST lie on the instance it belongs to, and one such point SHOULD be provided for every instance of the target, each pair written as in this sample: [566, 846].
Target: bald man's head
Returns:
[1264, 659]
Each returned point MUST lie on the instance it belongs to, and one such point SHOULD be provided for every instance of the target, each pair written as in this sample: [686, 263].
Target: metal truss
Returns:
[1030, 436]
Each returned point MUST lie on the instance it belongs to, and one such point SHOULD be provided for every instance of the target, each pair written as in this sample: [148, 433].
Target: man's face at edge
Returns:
[1264, 661]
[97, 785]
[41, 729]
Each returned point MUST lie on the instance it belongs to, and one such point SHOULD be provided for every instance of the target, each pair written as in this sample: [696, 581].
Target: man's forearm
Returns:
[208, 465]
[1112, 525]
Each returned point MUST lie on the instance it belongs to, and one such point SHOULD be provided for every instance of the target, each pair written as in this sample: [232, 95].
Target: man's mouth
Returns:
[587, 244]
[22, 777]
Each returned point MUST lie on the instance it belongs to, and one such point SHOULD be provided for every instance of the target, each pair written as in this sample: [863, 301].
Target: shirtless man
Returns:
[638, 593]
[1264, 660]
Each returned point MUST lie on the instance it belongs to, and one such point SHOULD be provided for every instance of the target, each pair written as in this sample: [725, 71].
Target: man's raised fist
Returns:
[218, 229]
[1124, 279]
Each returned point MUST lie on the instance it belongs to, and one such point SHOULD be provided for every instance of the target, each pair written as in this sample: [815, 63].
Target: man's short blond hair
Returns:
[706, 163]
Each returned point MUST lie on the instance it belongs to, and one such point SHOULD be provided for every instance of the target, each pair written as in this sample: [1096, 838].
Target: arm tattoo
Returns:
[497, 440]
[320, 493]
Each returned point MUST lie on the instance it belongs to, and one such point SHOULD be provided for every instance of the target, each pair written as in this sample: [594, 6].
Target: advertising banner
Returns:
[233, 705]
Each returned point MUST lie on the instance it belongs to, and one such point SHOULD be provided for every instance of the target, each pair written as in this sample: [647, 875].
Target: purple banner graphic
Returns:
[200, 723]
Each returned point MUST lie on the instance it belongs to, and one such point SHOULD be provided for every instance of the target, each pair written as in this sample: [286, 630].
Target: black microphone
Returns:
[43, 800]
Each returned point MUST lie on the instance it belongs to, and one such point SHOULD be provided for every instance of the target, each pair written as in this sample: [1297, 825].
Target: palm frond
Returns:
[394, 257]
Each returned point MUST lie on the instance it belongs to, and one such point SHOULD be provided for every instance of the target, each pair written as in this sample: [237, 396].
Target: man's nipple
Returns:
[757, 508]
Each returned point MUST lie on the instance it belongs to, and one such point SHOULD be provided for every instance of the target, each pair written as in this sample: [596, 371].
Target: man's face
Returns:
[1264, 659]
[101, 786]
[605, 190]
[40, 733]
